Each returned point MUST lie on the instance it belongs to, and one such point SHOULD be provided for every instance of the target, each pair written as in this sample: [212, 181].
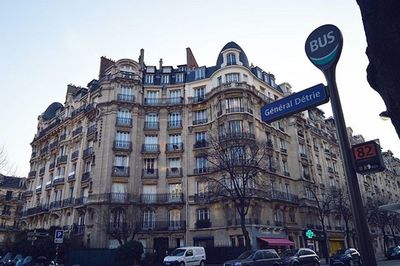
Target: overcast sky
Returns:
[46, 45]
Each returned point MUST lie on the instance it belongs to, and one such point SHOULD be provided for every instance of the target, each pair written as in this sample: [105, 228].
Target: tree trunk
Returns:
[384, 239]
[245, 232]
[393, 235]
[326, 251]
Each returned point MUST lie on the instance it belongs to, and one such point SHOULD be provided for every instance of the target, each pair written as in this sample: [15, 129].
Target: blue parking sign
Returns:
[59, 236]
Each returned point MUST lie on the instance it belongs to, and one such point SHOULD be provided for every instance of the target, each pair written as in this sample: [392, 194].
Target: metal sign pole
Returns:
[365, 241]
[323, 47]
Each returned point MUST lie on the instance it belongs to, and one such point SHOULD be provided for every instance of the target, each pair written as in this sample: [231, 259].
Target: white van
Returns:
[187, 256]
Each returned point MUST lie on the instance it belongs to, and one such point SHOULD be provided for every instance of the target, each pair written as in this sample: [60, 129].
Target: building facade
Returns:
[11, 199]
[130, 147]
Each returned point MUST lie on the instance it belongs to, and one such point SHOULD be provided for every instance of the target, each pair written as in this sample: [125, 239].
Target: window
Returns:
[202, 187]
[201, 116]
[219, 80]
[152, 117]
[174, 163]
[285, 167]
[203, 214]
[235, 126]
[201, 136]
[175, 192]
[231, 59]
[164, 79]
[199, 94]
[151, 97]
[175, 218]
[148, 219]
[149, 79]
[200, 73]
[201, 163]
[121, 160]
[88, 167]
[174, 119]
[179, 78]
[126, 91]
[150, 139]
[175, 138]
[122, 136]
[175, 96]
[234, 105]
[302, 149]
[150, 165]
[232, 77]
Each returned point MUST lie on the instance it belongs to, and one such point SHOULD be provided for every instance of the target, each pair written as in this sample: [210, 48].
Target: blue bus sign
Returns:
[324, 46]
[294, 103]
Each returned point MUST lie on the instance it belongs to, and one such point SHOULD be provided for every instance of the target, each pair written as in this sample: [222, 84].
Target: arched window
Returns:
[231, 59]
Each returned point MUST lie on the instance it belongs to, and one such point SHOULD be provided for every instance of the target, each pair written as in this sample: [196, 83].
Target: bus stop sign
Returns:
[367, 157]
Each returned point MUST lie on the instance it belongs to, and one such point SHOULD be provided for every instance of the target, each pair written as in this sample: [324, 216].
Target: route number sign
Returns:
[368, 158]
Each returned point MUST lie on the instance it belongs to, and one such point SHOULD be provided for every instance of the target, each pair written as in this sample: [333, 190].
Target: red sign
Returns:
[367, 157]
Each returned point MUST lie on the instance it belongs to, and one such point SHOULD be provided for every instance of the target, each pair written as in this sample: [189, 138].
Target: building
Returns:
[11, 192]
[129, 147]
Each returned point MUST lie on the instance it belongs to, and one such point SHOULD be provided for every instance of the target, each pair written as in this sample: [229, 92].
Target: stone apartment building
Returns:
[130, 147]
[11, 204]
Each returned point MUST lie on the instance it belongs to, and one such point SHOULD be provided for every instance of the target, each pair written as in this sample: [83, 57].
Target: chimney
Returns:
[141, 58]
[104, 64]
[161, 63]
[190, 60]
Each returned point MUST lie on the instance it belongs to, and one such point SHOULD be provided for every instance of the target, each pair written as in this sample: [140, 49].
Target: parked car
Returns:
[6, 259]
[393, 253]
[300, 257]
[188, 256]
[347, 257]
[264, 257]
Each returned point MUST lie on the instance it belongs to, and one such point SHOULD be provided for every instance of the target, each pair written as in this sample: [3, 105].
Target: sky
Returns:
[46, 45]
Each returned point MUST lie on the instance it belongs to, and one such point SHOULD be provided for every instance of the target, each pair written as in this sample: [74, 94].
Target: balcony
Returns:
[204, 197]
[28, 193]
[123, 122]
[203, 224]
[162, 225]
[163, 101]
[126, 76]
[53, 145]
[41, 171]
[48, 185]
[284, 196]
[202, 170]
[164, 198]
[58, 181]
[151, 125]
[235, 110]
[80, 201]
[174, 147]
[200, 121]
[68, 202]
[74, 155]
[71, 176]
[55, 204]
[123, 145]
[200, 144]
[174, 172]
[32, 173]
[128, 98]
[150, 148]
[120, 171]
[78, 229]
[236, 221]
[91, 130]
[88, 152]
[150, 173]
[39, 189]
[118, 197]
[283, 150]
[235, 135]
[44, 150]
[62, 159]
[77, 131]
[85, 177]
[198, 99]
[174, 124]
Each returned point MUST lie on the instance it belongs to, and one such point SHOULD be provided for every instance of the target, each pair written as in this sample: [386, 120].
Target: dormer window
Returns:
[200, 73]
[179, 78]
[164, 79]
[231, 59]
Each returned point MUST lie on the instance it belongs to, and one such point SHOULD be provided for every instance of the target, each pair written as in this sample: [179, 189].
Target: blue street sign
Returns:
[59, 236]
[294, 103]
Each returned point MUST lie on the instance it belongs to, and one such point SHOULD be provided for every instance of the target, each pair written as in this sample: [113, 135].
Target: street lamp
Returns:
[385, 115]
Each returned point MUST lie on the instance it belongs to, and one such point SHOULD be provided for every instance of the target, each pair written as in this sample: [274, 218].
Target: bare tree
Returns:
[341, 204]
[5, 166]
[323, 205]
[378, 217]
[238, 163]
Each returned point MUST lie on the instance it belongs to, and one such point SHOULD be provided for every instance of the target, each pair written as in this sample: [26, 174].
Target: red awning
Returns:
[277, 242]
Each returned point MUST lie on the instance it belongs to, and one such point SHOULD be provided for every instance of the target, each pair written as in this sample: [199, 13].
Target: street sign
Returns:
[323, 46]
[59, 236]
[368, 157]
[294, 103]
